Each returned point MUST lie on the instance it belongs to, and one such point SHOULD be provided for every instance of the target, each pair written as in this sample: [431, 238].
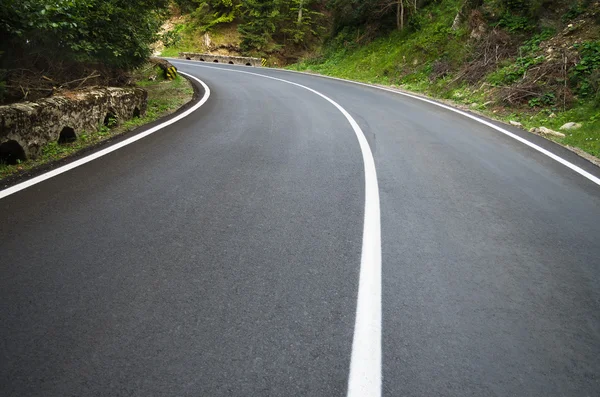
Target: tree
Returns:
[300, 21]
[117, 33]
[213, 12]
[260, 19]
[400, 7]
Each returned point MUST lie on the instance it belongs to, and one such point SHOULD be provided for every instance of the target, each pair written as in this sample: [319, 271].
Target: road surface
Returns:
[221, 255]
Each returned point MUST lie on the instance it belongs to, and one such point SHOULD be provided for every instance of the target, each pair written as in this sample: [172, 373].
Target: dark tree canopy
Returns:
[117, 33]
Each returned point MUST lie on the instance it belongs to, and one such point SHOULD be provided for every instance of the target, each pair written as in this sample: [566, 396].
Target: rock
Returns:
[474, 104]
[478, 32]
[547, 131]
[552, 115]
[515, 123]
[207, 41]
[571, 126]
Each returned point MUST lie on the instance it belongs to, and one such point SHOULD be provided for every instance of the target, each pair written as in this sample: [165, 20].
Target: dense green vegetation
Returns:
[261, 27]
[64, 40]
[536, 62]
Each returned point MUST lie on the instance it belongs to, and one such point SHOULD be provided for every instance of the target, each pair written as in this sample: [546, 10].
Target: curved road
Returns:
[221, 255]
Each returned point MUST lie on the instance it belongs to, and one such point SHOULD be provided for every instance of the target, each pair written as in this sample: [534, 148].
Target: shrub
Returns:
[585, 76]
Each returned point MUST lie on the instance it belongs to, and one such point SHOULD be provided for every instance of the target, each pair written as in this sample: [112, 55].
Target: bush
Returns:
[114, 32]
[515, 23]
[207, 16]
[173, 37]
[585, 76]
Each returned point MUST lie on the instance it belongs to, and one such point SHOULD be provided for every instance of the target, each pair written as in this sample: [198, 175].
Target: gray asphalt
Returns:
[220, 255]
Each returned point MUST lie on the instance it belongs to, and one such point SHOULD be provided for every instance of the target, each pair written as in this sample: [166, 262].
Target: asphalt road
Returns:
[220, 256]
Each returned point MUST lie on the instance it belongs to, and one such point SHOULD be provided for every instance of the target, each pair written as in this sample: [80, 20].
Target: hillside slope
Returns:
[280, 31]
[535, 63]
[542, 70]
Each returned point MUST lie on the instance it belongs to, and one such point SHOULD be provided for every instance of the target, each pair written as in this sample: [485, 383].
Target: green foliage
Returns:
[575, 9]
[546, 99]
[399, 57]
[533, 44]
[526, 8]
[115, 32]
[429, 57]
[300, 22]
[260, 19]
[112, 122]
[514, 71]
[186, 6]
[210, 13]
[585, 76]
[353, 13]
[515, 23]
[173, 37]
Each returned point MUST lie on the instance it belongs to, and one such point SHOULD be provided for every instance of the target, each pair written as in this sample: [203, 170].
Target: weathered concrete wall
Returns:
[221, 59]
[34, 124]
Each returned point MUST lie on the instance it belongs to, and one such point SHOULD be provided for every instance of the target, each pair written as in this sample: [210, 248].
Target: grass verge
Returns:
[348, 66]
[164, 98]
[521, 79]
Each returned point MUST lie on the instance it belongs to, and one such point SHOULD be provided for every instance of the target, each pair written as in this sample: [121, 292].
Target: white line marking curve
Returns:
[524, 141]
[365, 363]
[57, 171]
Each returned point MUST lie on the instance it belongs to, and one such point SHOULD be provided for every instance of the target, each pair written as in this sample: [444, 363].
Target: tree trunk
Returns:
[300, 11]
[400, 14]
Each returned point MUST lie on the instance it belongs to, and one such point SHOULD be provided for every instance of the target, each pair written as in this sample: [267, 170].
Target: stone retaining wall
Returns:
[248, 61]
[27, 126]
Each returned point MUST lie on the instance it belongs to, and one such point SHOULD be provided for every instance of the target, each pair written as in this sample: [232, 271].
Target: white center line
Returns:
[365, 364]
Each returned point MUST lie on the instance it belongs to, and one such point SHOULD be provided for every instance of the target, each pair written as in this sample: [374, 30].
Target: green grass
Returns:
[397, 58]
[586, 138]
[164, 97]
[406, 59]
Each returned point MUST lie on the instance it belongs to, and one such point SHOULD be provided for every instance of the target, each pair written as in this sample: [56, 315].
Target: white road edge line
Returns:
[532, 145]
[57, 171]
[365, 363]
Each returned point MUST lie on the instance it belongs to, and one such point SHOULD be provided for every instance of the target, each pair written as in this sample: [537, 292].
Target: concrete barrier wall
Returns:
[26, 127]
[248, 61]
